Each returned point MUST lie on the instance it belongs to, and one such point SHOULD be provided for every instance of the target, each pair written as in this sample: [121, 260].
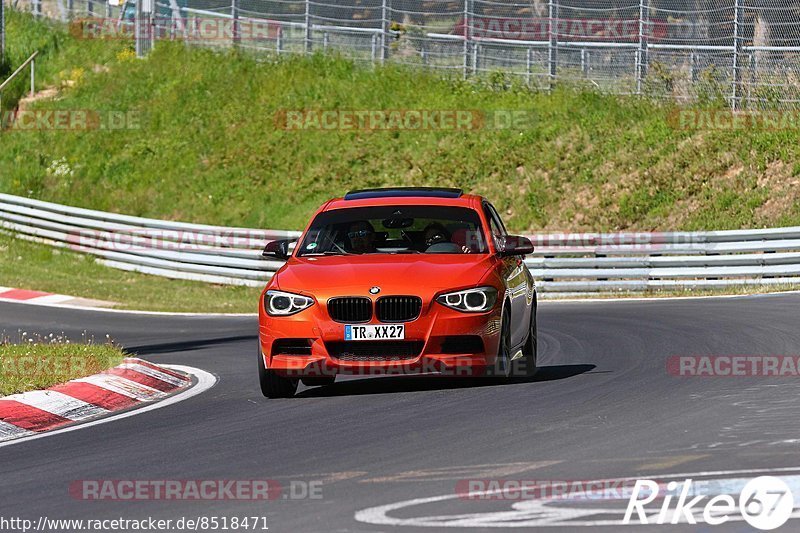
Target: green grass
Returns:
[207, 149]
[27, 265]
[41, 362]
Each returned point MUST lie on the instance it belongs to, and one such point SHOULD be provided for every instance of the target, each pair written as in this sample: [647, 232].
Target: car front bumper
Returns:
[432, 330]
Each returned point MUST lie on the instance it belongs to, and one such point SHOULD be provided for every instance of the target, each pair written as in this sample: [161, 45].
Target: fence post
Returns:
[552, 45]
[528, 65]
[467, 36]
[307, 39]
[33, 77]
[385, 27]
[89, 7]
[641, 52]
[279, 41]
[137, 29]
[70, 8]
[108, 11]
[2, 33]
[235, 35]
[737, 50]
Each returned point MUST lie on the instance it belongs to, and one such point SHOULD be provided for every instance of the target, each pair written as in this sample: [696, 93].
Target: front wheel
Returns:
[502, 365]
[527, 365]
[274, 385]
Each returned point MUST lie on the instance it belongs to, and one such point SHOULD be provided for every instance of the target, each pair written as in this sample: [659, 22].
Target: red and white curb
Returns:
[133, 383]
[9, 294]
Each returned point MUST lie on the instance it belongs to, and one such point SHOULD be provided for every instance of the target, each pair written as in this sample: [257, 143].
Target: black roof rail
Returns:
[396, 192]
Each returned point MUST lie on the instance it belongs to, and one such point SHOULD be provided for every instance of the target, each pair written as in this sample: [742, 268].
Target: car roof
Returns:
[403, 196]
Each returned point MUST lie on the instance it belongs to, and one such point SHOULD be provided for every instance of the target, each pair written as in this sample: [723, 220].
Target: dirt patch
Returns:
[783, 190]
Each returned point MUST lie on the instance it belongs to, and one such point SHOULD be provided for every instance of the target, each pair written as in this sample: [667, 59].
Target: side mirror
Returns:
[278, 249]
[514, 245]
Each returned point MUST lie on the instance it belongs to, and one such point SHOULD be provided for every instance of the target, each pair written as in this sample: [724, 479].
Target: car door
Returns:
[517, 280]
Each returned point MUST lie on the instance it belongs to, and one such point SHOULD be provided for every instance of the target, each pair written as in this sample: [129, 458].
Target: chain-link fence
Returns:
[743, 52]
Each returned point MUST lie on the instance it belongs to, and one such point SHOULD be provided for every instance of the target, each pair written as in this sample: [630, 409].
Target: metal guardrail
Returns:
[561, 263]
[30, 61]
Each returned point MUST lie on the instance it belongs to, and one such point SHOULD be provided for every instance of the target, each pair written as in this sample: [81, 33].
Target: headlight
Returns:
[279, 303]
[475, 300]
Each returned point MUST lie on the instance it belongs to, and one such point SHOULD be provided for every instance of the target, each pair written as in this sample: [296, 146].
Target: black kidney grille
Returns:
[350, 309]
[374, 350]
[398, 308]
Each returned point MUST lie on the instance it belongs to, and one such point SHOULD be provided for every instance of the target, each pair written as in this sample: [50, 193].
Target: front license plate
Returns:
[371, 333]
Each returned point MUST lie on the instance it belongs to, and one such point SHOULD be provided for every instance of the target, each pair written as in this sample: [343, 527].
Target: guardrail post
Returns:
[307, 39]
[552, 45]
[641, 52]
[737, 51]
[235, 36]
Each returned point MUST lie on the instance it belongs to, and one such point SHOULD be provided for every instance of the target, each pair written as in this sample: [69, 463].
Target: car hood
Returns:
[353, 275]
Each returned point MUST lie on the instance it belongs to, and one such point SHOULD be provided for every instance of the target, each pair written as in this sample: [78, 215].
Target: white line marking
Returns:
[527, 513]
[59, 404]
[8, 431]
[123, 386]
[153, 373]
[51, 299]
[125, 311]
[205, 380]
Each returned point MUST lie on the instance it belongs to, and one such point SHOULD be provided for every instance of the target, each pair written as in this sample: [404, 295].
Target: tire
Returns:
[274, 385]
[317, 381]
[526, 367]
[502, 365]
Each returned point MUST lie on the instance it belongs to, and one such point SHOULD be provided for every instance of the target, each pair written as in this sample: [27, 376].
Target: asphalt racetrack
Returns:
[389, 454]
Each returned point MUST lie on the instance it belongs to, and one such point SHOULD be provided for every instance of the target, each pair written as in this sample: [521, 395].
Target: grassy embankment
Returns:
[206, 147]
[38, 363]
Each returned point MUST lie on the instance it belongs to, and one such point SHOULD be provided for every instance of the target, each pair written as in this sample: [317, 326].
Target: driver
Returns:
[435, 233]
[362, 237]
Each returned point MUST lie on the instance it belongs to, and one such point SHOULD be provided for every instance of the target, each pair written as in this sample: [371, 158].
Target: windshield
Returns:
[395, 229]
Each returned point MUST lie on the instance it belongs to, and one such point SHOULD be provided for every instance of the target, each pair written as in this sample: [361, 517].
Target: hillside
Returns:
[206, 144]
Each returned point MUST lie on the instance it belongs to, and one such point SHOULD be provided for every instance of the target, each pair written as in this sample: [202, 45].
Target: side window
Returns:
[499, 221]
[495, 226]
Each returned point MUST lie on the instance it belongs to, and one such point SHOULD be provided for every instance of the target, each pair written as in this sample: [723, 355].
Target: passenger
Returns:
[361, 235]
